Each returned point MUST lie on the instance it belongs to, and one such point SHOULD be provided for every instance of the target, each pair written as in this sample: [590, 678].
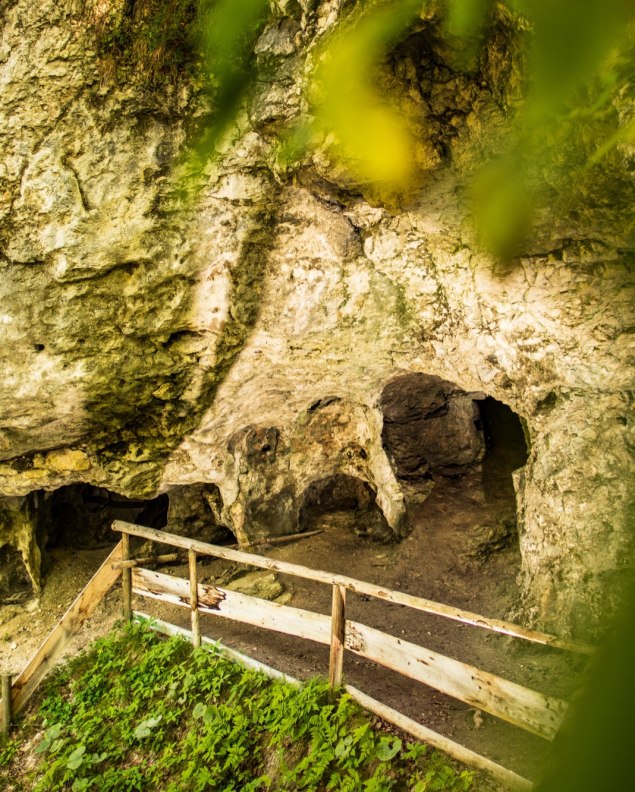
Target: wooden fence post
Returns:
[6, 708]
[196, 628]
[126, 578]
[338, 636]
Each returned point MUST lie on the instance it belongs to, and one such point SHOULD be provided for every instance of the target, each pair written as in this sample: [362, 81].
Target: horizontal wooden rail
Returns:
[507, 700]
[528, 709]
[234, 605]
[358, 586]
[130, 563]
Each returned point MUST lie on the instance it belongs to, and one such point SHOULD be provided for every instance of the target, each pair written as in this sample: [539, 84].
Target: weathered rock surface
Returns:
[245, 340]
[430, 426]
[20, 555]
[194, 511]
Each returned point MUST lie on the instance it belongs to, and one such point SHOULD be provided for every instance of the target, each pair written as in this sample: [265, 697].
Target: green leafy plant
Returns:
[138, 712]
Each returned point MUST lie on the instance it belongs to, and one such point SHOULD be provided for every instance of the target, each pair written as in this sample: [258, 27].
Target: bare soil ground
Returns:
[23, 628]
[460, 552]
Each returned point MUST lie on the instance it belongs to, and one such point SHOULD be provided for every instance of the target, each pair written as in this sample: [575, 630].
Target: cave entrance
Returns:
[434, 428]
[81, 515]
[431, 427]
[454, 453]
[343, 503]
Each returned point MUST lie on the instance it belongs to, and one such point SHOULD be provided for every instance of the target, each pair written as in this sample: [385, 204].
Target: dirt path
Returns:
[461, 552]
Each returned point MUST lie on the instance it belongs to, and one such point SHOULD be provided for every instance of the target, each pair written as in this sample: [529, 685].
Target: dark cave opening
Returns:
[434, 428]
[345, 503]
[461, 446]
[81, 515]
[505, 447]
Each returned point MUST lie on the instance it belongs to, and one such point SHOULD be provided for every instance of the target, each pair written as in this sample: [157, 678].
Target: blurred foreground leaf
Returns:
[566, 125]
[502, 204]
[369, 135]
[228, 30]
[570, 42]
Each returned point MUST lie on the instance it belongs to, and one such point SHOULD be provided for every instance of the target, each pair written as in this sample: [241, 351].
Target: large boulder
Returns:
[430, 426]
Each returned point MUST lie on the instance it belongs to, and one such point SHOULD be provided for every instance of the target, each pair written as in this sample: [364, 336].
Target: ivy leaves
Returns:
[76, 759]
[387, 749]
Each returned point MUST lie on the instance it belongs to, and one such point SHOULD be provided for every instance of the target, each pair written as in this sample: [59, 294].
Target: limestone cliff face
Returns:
[245, 341]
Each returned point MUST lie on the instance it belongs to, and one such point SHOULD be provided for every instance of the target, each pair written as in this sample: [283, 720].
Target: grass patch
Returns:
[138, 712]
[156, 40]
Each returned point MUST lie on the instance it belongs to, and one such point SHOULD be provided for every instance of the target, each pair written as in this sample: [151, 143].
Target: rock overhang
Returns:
[141, 335]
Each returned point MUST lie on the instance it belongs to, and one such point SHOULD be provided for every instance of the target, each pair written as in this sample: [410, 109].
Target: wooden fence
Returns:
[514, 703]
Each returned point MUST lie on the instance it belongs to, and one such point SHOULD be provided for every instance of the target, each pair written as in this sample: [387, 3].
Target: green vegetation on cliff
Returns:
[137, 712]
[154, 38]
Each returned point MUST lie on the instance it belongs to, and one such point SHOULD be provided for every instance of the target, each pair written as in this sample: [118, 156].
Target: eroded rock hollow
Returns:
[264, 342]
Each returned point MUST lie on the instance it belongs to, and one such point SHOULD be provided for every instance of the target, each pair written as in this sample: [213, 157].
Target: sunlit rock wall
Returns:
[244, 338]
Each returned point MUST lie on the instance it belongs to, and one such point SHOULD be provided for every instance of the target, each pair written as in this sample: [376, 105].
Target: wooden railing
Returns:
[507, 700]
[521, 706]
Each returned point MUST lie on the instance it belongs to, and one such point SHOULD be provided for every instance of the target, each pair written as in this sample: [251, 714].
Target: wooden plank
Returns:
[131, 563]
[338, 635]
[196, 628]
[358, 586]
[507, 700]
[510, 779]
[45, 657]
[126, 586]
[7, 713]
[147, 583]
[236, 606]
[279, 540]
